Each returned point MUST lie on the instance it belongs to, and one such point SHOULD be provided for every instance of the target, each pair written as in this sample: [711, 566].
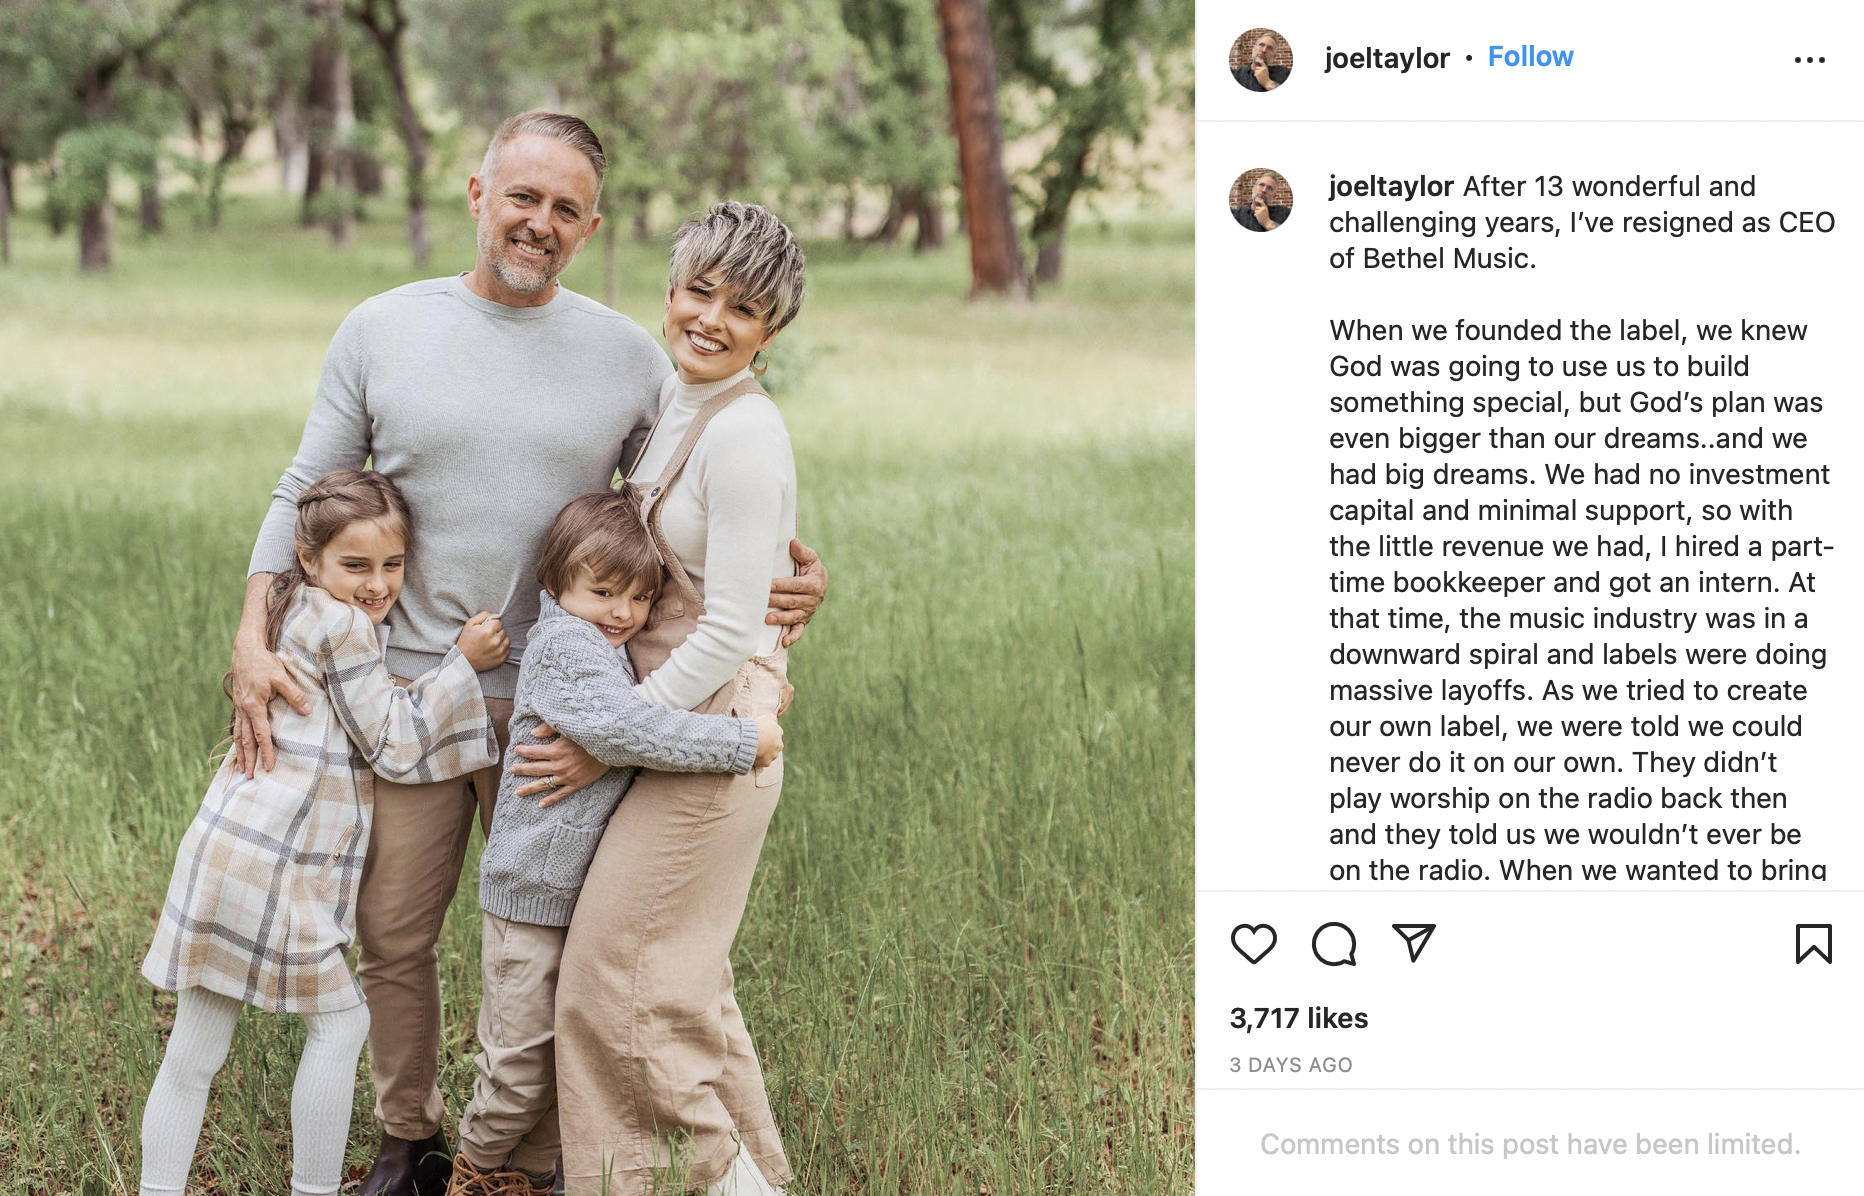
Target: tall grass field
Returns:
[967, 956]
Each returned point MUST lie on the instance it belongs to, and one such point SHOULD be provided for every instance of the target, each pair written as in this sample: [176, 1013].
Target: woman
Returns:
[651, 1048]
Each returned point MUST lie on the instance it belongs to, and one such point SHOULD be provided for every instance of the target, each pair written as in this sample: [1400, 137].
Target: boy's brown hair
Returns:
[604, 533]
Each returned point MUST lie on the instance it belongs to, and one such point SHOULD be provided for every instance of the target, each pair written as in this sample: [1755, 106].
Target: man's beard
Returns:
[512, 271]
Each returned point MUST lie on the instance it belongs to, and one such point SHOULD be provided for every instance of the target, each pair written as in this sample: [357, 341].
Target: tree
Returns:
[35, 102]
[690, 102]
[228, 72]
[387, 24]
[898, 127]
[89, 48]
[330, 121]
[970, 55]
[470, 50]
[1107, 98]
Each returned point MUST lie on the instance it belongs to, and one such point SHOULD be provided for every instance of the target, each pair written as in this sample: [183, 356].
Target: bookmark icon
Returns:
[1415, 936]
[1812, 939]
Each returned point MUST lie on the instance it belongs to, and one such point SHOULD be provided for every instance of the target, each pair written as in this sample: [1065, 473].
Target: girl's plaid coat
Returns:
[262, 903]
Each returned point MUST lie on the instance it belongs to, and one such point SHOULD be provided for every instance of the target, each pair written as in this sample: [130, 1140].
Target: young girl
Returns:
[261, 906]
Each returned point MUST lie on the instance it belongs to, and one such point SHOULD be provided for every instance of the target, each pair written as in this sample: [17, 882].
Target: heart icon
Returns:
[1252, 946]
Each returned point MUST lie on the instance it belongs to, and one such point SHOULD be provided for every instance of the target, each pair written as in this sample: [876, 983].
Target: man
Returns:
[1260, 213]
[1257, 74]
[491, 398]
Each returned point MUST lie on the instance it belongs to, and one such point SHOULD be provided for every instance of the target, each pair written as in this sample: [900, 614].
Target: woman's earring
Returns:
[758, 364]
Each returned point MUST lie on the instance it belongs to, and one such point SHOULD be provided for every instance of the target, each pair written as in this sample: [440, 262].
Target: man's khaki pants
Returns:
[416, 847]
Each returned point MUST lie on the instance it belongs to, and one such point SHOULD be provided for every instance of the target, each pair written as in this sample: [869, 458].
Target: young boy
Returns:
[599, 572]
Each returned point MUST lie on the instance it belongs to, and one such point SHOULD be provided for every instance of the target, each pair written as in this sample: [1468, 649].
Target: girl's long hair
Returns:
[327, 506]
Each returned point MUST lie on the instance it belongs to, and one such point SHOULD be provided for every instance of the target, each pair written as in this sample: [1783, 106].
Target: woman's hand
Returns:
[795, 600]
[769, 740]
[561, 766]
[483, 642]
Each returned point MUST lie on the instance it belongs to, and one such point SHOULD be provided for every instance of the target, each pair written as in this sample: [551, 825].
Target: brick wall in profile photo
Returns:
[1239, 190]
[1241, 48]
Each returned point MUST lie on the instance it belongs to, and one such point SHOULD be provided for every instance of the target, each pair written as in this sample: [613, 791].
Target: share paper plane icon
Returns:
[1415, 936]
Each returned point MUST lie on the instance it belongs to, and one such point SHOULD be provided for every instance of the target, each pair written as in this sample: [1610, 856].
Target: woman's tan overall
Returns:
[651, 1049]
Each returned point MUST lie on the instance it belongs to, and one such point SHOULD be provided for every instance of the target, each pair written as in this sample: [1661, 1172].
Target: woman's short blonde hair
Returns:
[747, 246]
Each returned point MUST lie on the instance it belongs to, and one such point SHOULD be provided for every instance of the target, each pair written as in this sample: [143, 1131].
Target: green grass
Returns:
[967, 958]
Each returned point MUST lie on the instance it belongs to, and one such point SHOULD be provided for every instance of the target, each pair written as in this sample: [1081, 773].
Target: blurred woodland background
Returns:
[890, 116]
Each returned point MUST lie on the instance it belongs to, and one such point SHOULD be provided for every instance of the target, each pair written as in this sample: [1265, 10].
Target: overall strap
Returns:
[675, 464]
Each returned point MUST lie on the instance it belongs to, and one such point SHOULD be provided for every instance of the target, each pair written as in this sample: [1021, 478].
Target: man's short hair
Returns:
[748, 247]
[604, 533]
[572, 131]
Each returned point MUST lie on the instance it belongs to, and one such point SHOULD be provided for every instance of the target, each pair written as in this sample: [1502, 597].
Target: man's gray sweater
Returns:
[489, 418]
[536, 858]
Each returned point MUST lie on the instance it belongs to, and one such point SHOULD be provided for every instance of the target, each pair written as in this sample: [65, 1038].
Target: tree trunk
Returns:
[330, 118]
[970, 56]
[1048, 259]
[414, 137]
[643, 233]
[389, 25]
[737, 173]
[342, 158]
[233, 135]
[1071, 156]
[6, 209]
[149, 204]
[319, 102]
[366, 174]
[96, 226]
[97, 220]
[888, 233]
[929, 217]
[611, 264]
[288, 140]
[56, 215]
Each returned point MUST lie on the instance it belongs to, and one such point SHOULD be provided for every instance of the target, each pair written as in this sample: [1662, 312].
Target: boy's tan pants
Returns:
[513, 1113]
[416, 846]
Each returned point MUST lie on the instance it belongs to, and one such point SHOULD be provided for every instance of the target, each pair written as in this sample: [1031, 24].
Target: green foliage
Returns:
[899, 124]
[794, 103]
[34, 99]
[86, 156]
[1088, 67]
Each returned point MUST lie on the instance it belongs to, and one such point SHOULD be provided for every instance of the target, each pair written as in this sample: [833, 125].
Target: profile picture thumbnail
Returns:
[1261, 60]
[1261, 200]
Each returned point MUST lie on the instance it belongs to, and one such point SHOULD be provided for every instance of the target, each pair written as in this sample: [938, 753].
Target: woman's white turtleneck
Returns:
[729, 517]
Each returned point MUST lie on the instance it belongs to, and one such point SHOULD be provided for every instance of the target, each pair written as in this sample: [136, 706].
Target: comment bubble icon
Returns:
[1336, 946]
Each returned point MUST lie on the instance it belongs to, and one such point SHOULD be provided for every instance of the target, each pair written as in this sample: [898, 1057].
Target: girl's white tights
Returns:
[320, 1097]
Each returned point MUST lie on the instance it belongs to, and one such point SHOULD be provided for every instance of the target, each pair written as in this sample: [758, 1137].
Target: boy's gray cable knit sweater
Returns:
[536, 858]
